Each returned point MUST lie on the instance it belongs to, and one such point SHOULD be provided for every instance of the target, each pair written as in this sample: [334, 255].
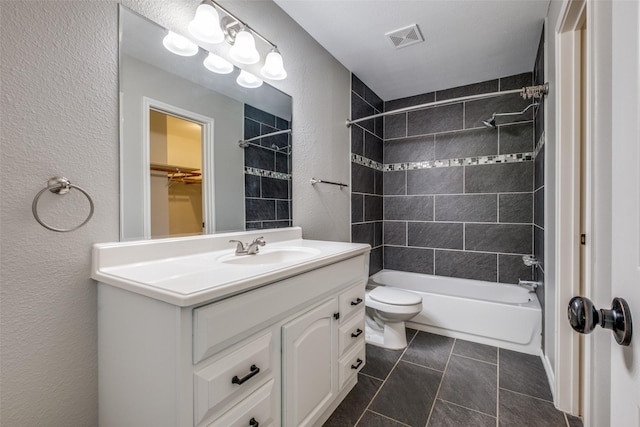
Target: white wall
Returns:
[59, 110]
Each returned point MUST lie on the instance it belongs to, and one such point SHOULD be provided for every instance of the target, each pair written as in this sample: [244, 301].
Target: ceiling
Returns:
[466, 41]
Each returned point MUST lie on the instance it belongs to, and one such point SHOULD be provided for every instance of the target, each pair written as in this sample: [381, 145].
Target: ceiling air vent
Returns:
[406, 36]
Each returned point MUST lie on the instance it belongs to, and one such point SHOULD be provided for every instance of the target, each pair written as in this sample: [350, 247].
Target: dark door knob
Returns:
[584, 317]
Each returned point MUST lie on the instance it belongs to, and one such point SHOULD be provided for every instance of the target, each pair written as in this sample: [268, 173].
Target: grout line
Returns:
[387, 417]
[433, 405]
[383, 383]
[566, 419]
[467, 408]
[453, 130]
[422, 366]
[473, 358]
[489, 193]
[528, 395]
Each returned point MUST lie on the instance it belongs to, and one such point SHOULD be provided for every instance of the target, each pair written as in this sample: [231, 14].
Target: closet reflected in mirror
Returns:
[175, 168]
[235, 175]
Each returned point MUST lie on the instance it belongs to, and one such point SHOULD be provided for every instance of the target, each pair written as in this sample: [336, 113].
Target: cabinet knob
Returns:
[253, 422]
[357, 333]
[357, 301]
[357, 365]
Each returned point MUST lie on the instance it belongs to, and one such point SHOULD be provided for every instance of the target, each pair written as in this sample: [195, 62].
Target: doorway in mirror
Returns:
[175, 154]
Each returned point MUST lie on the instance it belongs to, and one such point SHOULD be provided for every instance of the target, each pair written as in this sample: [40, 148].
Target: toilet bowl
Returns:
[387, 309]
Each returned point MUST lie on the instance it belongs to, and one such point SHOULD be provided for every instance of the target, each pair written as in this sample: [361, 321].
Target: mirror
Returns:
[183, 170]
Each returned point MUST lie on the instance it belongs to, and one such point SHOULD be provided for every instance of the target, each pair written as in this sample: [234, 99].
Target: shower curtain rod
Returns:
[526, 92]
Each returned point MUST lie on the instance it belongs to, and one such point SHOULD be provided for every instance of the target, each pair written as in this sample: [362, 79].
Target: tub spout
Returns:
[529, 284]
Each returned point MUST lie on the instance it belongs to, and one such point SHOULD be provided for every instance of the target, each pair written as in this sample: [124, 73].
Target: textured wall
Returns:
[60, 117]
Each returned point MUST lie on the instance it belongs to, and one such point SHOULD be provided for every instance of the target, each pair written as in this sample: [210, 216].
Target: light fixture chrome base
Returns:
[230, 28]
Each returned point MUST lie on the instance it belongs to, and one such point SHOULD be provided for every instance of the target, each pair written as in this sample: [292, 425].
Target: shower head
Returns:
[490, 123]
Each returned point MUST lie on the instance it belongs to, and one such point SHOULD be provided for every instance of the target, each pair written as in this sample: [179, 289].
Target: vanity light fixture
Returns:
[212, 23]
[205, 25]
[217, 64]
[248, 80]
[273, 67]
[180, 45]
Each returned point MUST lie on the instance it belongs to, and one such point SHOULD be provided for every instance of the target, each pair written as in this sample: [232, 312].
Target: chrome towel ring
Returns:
[60, 185]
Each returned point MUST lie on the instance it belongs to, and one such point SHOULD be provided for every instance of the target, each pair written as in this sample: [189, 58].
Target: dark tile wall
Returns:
[367, 182]
[473, 221]
[538, 195]
[267, 197]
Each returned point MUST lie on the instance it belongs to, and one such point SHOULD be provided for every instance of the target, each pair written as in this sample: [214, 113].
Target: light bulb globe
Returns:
[248, 80]
[205, 25]
[244, 48]
[273, 68]
[217, 64]
[180, 45]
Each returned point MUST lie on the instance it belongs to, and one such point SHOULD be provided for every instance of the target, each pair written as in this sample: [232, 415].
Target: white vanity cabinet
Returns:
[283, 353]
[316, 363]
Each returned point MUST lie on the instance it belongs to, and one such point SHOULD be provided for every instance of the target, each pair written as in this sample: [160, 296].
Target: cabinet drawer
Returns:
[351, 332]
[256, 408]
[351, 301]
[232, 375]
[351, 363]
[218, 325]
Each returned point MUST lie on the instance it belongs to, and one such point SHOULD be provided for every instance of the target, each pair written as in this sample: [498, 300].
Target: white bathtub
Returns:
[497, 314]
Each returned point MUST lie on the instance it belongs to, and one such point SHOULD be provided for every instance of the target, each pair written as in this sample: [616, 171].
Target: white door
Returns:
[625, 361]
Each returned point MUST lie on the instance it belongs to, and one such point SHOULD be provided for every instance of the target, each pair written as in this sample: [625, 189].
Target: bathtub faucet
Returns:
[529, 284]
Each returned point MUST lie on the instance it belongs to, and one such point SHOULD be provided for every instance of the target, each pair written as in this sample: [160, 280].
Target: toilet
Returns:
[387, 308]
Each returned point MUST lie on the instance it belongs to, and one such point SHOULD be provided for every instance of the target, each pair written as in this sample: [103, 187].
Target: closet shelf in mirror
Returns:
[178, 174]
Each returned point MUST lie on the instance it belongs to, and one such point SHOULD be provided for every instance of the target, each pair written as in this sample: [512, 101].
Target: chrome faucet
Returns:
[529, 284]
[248, 248]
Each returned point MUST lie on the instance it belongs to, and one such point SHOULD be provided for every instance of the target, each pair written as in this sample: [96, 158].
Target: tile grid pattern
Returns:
[538, 194]
[366, 171]
[439, 381]
[474, 221]
[267, 171]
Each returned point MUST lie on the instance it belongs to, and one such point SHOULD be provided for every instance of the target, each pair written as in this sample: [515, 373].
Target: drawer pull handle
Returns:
[357, 301]
[357, 365]
[253, 422]
[357, 333]
[254, 371]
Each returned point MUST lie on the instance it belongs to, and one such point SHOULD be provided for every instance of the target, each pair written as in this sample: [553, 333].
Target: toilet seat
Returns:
[394, 296]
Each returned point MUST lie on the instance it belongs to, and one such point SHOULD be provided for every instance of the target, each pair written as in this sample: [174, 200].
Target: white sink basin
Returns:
[271, 256]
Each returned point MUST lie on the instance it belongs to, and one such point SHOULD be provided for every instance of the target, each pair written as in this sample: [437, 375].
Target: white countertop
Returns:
[187, 271]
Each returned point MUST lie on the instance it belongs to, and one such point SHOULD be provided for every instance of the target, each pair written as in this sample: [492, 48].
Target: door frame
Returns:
[582, 376]
[208, 189]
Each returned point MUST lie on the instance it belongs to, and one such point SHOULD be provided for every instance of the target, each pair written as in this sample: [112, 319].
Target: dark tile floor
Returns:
[445, 382]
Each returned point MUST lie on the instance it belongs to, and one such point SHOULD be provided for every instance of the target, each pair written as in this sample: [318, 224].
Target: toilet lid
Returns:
[394, 296]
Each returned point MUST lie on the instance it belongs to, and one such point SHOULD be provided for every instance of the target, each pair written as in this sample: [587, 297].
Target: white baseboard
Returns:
[550, 375]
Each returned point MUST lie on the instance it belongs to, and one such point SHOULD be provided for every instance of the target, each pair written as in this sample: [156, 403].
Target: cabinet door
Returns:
[310, 376]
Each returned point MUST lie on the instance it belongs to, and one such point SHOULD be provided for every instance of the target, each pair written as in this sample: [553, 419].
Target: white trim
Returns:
[208, 189]
[548, 369]
[567, 197]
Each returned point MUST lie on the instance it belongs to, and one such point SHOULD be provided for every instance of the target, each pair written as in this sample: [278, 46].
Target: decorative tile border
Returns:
[361, 160]
[266, 173]
[468, 161]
